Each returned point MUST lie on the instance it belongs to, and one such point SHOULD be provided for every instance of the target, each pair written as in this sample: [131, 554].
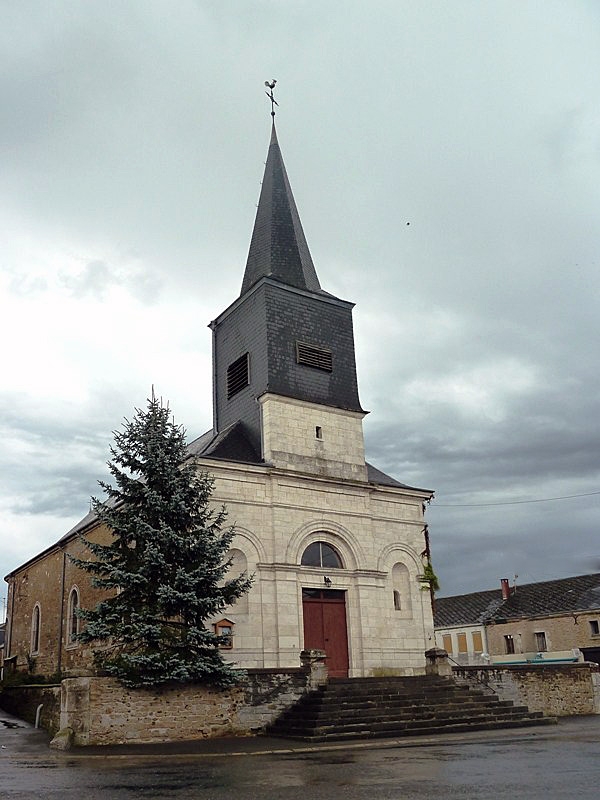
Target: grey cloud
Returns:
[97, 277]
[141, 133]
[94, 279]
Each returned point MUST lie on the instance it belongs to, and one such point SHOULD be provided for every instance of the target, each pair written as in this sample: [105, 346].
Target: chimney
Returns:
[505, 588]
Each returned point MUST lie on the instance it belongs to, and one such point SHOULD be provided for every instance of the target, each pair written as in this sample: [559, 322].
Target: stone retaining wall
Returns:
[23, 701]
[100, 711]
[558, 690]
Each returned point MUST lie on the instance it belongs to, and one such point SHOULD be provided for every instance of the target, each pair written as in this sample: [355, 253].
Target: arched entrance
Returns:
[324, 611]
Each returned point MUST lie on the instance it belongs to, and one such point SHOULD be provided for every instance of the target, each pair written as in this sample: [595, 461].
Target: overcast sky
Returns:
[445, 160]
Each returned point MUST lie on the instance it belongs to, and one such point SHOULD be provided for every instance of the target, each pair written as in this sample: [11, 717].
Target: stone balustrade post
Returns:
[437, 662]
[314, 661]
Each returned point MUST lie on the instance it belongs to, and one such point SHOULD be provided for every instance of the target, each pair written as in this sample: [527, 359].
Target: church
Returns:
[337, 548]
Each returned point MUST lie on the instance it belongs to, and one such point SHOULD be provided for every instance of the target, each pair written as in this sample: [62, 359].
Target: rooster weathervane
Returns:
[271, 85]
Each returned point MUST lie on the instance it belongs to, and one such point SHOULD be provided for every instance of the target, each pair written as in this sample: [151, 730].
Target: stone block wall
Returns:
[23, 702]
[290, 441]
[557, 690]
[100, 711]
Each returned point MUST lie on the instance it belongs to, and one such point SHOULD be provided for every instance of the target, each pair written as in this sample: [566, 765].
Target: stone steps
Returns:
[393, 707]
[422, 730]
[410, 712]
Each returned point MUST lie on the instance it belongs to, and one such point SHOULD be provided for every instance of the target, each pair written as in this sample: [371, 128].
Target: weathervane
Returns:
[271, 85]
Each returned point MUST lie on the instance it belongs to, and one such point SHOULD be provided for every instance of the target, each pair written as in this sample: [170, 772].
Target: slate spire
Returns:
[278, 247]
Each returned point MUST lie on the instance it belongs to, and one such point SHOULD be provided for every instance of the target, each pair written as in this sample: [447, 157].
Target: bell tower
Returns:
[283, 352]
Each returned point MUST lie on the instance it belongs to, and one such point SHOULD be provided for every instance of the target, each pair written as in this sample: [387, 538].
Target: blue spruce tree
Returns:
[165, 568]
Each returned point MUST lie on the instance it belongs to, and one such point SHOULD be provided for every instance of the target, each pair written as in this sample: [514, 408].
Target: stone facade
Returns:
[47, 583]
[277, 514]
[377, 530]
[561, 632]
[306, 437]
[557, 690]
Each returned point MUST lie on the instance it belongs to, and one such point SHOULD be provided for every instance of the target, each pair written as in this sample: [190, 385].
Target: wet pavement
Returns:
[546, 762]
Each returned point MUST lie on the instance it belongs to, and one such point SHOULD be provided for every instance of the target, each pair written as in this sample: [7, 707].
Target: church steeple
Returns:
[283, 352]
[278, 248]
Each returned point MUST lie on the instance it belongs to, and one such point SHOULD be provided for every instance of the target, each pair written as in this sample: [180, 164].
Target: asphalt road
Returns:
[547, 762]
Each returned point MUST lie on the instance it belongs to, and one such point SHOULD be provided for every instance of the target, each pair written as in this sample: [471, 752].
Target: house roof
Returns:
[579, 593]
[278, 246]
[561, 596]
[466, 609]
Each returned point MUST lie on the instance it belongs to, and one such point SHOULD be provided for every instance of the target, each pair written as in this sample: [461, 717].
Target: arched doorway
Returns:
[324, 612]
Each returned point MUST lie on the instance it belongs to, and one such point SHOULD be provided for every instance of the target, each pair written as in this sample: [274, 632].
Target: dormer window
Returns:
[309, 355]
[238, 375]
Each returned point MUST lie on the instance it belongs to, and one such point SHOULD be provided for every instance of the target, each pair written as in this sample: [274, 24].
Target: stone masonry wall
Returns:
[23, 702]
[562, 632]
[557, 690]
[47, 583]
[100, 711]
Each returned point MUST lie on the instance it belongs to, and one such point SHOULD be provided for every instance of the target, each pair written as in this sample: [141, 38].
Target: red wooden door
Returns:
[324, 612]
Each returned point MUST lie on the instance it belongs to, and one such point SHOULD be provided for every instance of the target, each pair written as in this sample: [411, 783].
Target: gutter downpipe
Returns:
[62, 611]
[13, 588]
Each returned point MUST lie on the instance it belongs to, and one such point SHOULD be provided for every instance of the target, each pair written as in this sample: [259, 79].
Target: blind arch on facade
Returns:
[239, 566]
[401, 588]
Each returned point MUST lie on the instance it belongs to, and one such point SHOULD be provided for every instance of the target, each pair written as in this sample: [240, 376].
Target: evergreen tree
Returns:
[166, 563]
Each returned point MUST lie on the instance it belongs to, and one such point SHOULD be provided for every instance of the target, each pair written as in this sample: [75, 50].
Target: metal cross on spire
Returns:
[271, 85]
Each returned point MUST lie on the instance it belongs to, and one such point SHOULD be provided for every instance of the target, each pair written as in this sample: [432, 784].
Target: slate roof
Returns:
[233, 444]
[278, 246]
[466, 609]
[375, 475]
[580, 593]
[561, 596]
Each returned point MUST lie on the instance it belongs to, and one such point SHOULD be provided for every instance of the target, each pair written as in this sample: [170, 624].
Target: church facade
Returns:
[337, 548]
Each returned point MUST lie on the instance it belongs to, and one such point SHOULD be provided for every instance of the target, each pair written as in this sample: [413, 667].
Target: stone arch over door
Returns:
[324, 590]
[341, 539]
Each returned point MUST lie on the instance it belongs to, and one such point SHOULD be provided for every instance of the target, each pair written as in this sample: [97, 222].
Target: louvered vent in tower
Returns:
[311, 356]
[238, 375]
